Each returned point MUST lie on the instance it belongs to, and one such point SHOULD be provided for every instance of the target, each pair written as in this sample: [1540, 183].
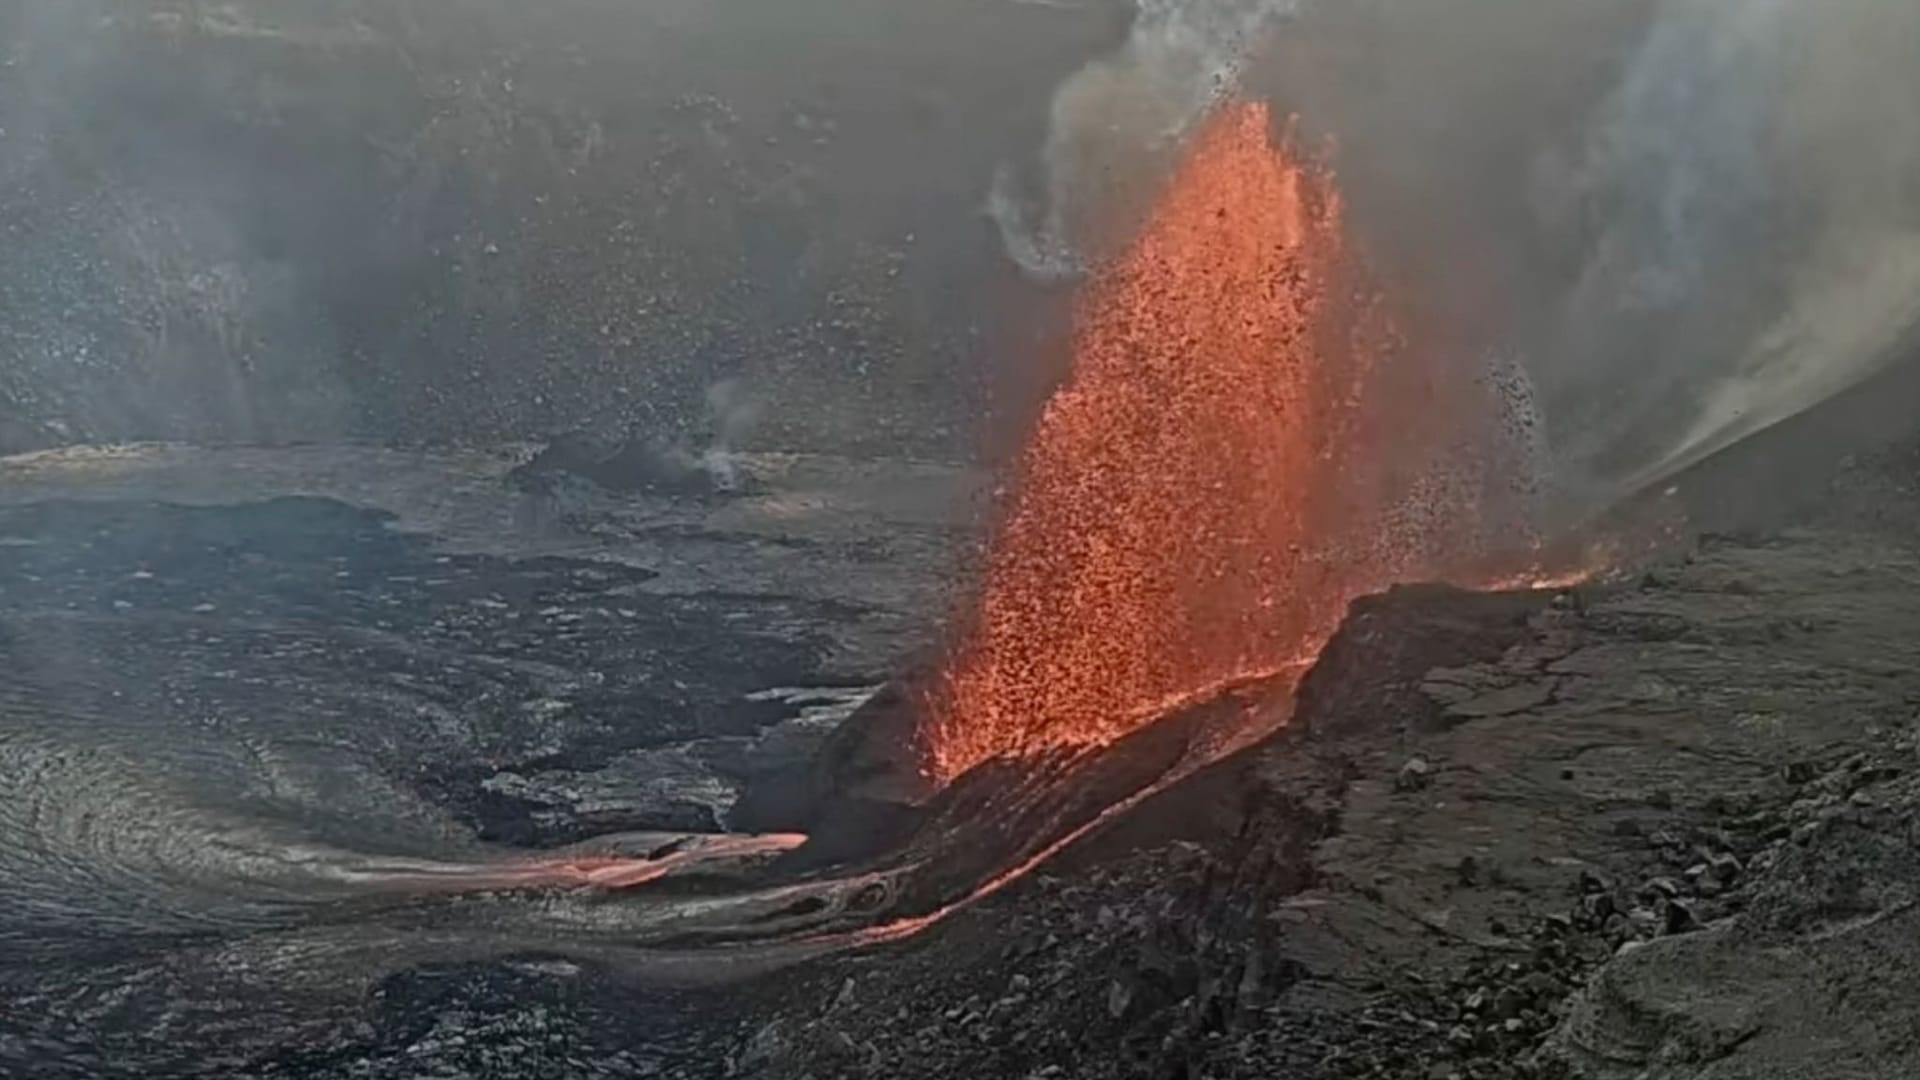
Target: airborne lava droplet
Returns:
[1243, 444]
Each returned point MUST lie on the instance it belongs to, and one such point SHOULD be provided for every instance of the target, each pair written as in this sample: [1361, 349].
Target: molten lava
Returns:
[1243, 444]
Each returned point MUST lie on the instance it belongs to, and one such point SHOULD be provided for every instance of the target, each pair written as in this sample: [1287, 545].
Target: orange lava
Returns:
[1244, 443]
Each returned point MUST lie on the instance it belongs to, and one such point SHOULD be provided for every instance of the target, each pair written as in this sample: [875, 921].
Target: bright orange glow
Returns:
[1242, 446]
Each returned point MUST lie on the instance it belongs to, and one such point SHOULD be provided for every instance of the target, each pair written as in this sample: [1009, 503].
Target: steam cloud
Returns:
[1112, 124]
[1759, 162]
[1691, 219]
[734, 412]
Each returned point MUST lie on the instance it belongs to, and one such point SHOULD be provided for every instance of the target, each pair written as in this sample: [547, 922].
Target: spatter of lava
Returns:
[1244, 443]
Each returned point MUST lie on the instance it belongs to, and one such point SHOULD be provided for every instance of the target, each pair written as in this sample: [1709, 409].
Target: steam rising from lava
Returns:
[1244, 444]
[1115, 121]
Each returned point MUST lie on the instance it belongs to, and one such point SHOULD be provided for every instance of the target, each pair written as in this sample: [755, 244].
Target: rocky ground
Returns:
[1663, 827]
[1664, 832]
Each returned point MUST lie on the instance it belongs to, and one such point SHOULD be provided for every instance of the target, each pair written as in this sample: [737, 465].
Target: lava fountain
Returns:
[1244, 443]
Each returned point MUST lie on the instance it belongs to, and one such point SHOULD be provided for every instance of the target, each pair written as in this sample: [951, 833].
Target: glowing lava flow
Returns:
[1241, 447]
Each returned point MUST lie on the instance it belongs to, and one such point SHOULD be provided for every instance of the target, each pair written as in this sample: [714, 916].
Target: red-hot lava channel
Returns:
[1243, 444]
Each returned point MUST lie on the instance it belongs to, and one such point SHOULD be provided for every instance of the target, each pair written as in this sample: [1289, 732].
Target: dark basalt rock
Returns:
[862, 794]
